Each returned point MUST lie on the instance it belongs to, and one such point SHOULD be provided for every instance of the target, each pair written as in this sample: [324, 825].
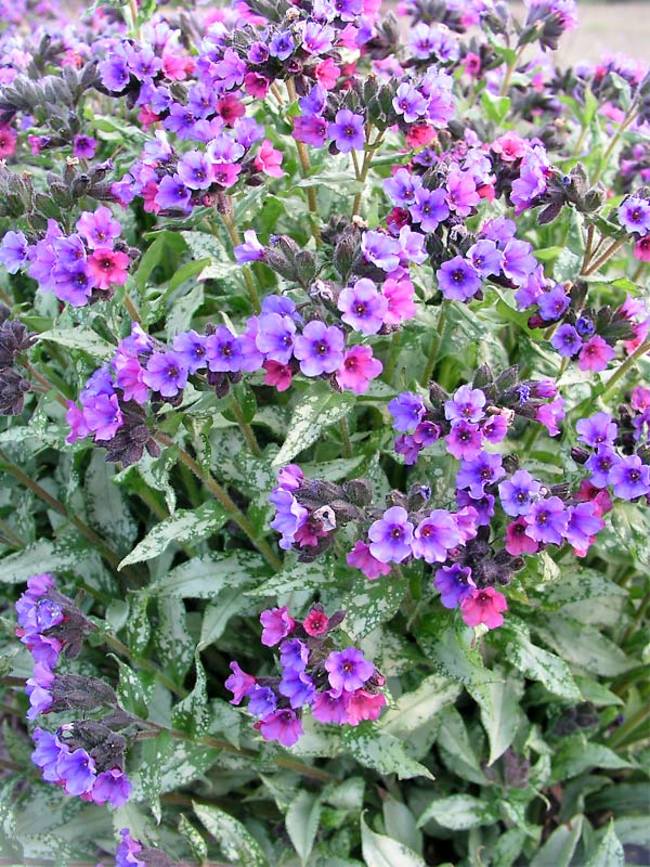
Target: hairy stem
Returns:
[246, 429]
[235, 240]
[305, 167]
[623, 368]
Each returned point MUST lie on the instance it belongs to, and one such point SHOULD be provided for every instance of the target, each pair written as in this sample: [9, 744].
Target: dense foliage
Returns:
[325, 448]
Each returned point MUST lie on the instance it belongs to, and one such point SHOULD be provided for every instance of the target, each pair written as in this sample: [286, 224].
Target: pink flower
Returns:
[399, 294]
[420, 135]
[269, 160]
[595, 355]
[358, 368]
[279, 375]
[77, 421]
[363, 705]
[361, 558]
[550, 415]
[108, 267]
[7, 142]
[174, 66]
[316, 622]
[257, 85]
[239, 683]
[484, 606]
[510, 147]
[642, 249]
[517, 542]
[327, 74]
[277, 623]
[472, 64]
[640, 398]
[282, 726]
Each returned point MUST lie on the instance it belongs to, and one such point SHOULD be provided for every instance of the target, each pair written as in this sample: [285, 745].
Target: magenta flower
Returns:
[464, 440]
[282, 726]
[362, 307]
[550, 415]
[358, 369]
[364, 705]
[517, 541]
[310, 129]
[484, 606]
[547, 521]
[239, 683]
[596, 354]
[391, 536]
[347, 131]
[277, 623]
[331, 706]
[348, 669]
[319, 348]
[361, 558]
[461, 192]
[98, 228]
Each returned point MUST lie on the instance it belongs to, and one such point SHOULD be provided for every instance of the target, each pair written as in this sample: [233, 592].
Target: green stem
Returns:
[346, 444]
[47, 385]
[365, 168]
[226, 501]
[246, 429]
[436, 342]
[625, 123]
[505, 86]
[603, 258]
[638, 617]
[629, 362]
[393, 355]
[235, 240]
[305, 167]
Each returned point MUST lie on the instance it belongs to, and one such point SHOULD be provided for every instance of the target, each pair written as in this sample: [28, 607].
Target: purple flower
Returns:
[172, 194]
[403, 186]
[634, 215]
[84, 147]
[518, 493]
[289, 516]
[630, 478]
[251, 250]
[552, 305]
[518, 261]
[127, 851]
[481, 471]
[239, 683]
[39, 690]
[297, 686]
[409, 102]
[584, 523]
[600, 464]
[411, 246]
[47, 752]
[282, 45]
[194, 170]
[317, 39]
[331, 706]
[391, 536]
[319, 348]
[547, 521]
[407, 410]
[461, 192]
[348, 669]
[363, 307]
[311, 130]
[454, 583]
[98, 228]
[294, 653]
[458, 279]
[567, 341]
[429, 209]
[585, 326]
[111, 787]
[275, 337]
[223, 351]
[466, 405]
[282, 726]
[191, 348]
[597, 430]
[103, 416]
[76, 770]
[166, 373]
[347, 131]
[382, 250]
[486, 257]
[277, 623]
[262, 701]
[464, 440]
[14, 251]
[114, 73]
[435, 536]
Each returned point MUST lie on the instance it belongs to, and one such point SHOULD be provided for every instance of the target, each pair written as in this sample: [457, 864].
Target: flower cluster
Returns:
[84, 758]
[14, 340]
[475, 415]
[340, 687]
[80, 268]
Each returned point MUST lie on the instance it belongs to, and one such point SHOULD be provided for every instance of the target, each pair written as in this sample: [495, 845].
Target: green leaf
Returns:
[318, 409]
[194, 839]
[382, 752]
[235, 841]
[206, 576]
[187, 525]
[415, 709]
[496, 107]
[68, 553]
[457, 749]
[371, 603]
[536, 663]
[299, 576]
[560, 846]
[107, 507]
[382, 851]
[134, 689]
[609, 852]
[500, 714]
[576, 755]
[583, 645]
[191, 714]
[458, 812]
[301, 821]
[401, 825]
[80, 338]
[216, 617]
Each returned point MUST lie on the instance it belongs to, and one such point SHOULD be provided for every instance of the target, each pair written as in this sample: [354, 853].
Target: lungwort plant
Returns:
[325, 449]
